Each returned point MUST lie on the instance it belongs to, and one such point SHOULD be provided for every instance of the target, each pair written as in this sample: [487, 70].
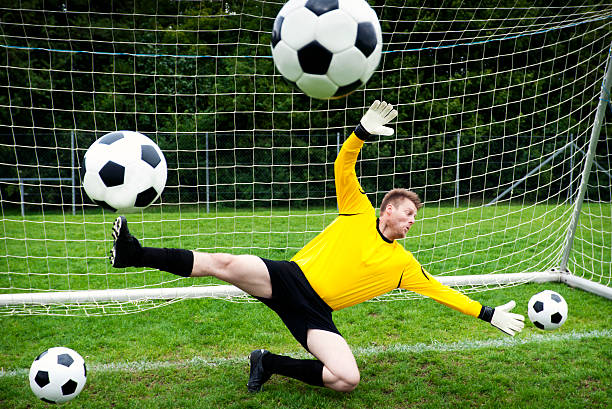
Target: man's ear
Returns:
[389, 209]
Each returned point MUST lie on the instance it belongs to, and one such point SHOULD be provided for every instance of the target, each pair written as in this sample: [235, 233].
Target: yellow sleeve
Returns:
[351, 196]
[416, 279]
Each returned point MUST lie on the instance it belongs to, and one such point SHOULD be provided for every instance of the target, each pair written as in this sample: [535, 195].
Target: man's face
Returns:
[400, 218]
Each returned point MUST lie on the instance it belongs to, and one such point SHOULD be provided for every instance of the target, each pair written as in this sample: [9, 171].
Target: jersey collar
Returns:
[382, 236]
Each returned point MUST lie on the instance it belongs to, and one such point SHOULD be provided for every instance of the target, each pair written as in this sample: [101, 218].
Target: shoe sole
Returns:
[253, 361]
[116, 231]
[119, 222]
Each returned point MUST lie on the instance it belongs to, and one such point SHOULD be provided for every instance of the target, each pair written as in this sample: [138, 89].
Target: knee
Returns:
[221, 261]
[351, 382]
[347, 381]
[215, 264]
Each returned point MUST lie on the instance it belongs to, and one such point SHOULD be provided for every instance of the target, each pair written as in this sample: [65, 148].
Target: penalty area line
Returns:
[481, 344]
[140, 366]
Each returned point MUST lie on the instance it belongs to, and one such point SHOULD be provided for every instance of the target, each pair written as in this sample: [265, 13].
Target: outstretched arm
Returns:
[500, 317]
[351, 197]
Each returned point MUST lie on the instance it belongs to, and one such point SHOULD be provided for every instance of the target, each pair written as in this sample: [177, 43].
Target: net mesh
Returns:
[496, 110]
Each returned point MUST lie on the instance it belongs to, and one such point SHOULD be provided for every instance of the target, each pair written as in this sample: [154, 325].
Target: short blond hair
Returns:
[394, 196]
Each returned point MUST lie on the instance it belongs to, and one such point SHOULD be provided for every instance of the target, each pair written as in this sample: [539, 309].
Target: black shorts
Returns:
[295, 302]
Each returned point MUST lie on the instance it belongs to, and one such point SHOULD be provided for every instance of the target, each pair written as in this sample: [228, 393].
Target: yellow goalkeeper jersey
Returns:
[351, 261]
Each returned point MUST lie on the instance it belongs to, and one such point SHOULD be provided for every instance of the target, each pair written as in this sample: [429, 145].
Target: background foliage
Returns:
[198, 78]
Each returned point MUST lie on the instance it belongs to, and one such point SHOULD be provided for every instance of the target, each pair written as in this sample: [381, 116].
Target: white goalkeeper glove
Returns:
[504, 320]
[378, 115]
[507, 321]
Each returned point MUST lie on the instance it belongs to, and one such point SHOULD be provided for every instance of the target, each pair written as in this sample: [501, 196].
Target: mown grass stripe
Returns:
[139, 366]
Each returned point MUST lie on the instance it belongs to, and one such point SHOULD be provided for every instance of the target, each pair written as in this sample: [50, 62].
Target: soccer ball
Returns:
[547, 310]
[328, 48]
[124, 171]
[58, 375]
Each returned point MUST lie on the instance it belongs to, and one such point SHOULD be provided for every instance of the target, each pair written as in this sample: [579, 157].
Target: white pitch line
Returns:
[477, 344]
[507, 342]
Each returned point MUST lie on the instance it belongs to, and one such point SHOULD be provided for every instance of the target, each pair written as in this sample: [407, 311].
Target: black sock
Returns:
[305, 370]
[175, 261]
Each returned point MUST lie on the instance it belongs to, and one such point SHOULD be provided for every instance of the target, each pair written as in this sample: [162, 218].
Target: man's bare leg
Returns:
[247, 272]
[340, 371]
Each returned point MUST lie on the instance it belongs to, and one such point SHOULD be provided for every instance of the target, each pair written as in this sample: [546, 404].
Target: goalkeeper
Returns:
[353, 260]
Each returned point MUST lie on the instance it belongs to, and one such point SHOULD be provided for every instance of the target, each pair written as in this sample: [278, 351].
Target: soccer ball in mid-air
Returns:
[547, 310]
[125, 171]
[58, 375]
[328, 48]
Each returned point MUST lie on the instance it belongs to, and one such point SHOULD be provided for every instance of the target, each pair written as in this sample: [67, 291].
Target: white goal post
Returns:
[502, 131]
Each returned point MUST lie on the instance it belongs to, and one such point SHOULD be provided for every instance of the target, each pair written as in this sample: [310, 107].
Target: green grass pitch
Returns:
[412, 353]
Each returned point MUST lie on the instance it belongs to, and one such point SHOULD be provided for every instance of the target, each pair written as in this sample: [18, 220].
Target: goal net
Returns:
[498, 111]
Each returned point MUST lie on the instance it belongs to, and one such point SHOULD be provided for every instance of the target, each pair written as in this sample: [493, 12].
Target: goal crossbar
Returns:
[231, 292]
[121, 295]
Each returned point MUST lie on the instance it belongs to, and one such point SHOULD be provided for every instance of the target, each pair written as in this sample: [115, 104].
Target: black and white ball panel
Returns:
[327, 48]
[124, 170]
[146, 197]
[111, 138]
[299, 28]
[367, 38]
[538, 306]
[42, 378]
[314, 58]
[58, 375]
[289, 6]
[65, 360]
[320, 7]
[318, 86]
[112, 174]
[346, 66]
[347, 89]
[149, 155]
[276, 30]
[69, 387]
[105, 205]
[547, 310]
[287, 62]
[336, 31]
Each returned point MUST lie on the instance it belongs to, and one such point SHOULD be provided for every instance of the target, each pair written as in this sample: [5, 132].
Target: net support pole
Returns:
[524, 178]
[207, 178]
[72, 172]
[22, 197]
[570, 197]
[457, 173]
[588, 161]
[587, 285]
